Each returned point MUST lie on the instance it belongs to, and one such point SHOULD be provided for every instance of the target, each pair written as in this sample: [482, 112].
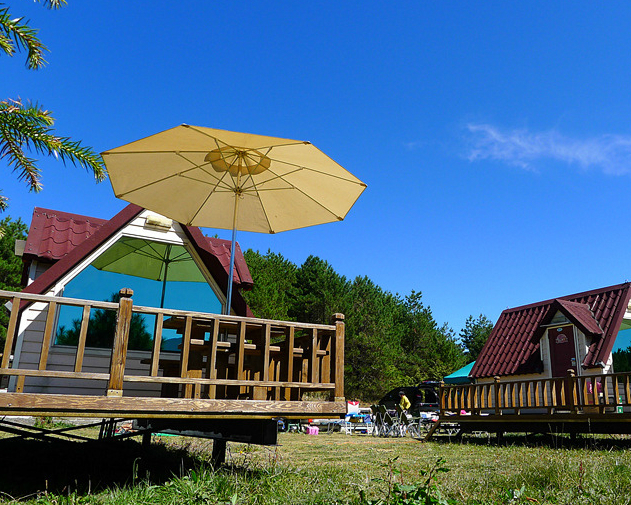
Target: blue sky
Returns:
[494, 137]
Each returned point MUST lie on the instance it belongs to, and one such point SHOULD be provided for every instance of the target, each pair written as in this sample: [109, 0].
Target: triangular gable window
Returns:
[160, 273]
[559, 318]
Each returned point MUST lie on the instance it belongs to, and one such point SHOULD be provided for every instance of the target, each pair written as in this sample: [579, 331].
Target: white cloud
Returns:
[609, 153]
[412, 146]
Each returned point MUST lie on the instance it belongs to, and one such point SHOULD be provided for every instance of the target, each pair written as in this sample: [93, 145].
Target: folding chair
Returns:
[377, 421]
[408, 426]
[390, 424]
[402, 421]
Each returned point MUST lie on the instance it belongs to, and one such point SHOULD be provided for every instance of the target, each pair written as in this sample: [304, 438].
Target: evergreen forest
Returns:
[391, 340]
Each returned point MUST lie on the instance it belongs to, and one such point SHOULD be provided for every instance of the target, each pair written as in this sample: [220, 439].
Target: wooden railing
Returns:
[221, 356]
[595, 394]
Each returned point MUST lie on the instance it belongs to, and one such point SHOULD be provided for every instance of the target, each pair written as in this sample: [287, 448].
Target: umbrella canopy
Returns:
[460, 376]
[151, 260]
[220, 179]
[192, 174]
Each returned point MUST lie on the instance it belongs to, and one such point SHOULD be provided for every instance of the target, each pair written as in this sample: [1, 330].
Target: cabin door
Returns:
[562, 350]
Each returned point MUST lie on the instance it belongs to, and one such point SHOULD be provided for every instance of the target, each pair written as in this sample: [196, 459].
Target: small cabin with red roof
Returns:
[63, 256]
[546, 339]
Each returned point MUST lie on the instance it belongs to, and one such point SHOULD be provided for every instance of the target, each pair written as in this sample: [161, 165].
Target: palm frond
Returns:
[17, 36]
[54, 4]
[29, 128]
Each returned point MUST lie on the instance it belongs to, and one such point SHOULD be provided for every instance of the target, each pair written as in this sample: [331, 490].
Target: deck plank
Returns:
[139, 407]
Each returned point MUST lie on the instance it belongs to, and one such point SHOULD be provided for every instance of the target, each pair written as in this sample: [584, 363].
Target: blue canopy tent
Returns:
[460, 376]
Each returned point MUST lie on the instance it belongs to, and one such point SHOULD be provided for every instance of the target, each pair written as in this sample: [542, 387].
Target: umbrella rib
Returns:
[276, 176]
[171, 176]
[199, 208]
[289, 142]
[217, 185]
[250, 177]
[304, 167]
[202, 167]
[282, 177]
[182, 257]
[269, 224]
[143, 186]
[295, 188]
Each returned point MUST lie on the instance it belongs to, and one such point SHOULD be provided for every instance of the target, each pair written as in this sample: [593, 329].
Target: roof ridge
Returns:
[68, 215]
[568, 297]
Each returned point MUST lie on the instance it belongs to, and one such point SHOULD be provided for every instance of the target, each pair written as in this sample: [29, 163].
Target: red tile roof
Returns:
[513, 346]
[54, 234]
[221, 249]
[80, 235]
[581, 315]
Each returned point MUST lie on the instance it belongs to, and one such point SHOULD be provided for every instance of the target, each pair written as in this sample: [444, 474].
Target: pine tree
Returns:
[10, 264]
[475, 334]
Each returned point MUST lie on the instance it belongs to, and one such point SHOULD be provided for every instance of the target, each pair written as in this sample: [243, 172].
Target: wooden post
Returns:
[48, 335]
[240, 357]
[498, 411]
[325, 364]
[260, 393]
[289, 356]
[441, 398]
[218, 456]
[157, 343]
[119, 346]
[13, 324]
[313, 357]
[338, 320]
[571, 397]
[185, 354]
[211, 368]
[83, 333]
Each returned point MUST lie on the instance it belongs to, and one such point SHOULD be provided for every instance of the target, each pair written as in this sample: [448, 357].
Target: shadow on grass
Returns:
[36, 466]
[553, 441]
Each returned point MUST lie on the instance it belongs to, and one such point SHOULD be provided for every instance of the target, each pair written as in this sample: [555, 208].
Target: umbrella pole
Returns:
[164, 285]
[232, 249]
[166, 271]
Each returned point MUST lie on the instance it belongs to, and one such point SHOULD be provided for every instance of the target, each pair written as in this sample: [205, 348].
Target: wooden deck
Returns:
[571, 404]
[228, 367]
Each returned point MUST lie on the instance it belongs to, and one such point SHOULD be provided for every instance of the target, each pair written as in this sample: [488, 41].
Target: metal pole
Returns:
[233, 246]
[166, 271]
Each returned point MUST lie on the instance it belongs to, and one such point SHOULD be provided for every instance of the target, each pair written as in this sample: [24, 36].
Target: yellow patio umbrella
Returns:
[238, 181]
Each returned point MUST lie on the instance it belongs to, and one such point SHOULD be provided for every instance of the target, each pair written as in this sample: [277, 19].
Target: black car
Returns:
[424, 397]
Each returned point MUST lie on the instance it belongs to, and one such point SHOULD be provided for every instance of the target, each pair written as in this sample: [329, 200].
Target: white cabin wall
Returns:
[36, 269]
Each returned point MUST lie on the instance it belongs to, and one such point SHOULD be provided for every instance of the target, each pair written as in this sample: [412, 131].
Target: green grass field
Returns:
[327, 468]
